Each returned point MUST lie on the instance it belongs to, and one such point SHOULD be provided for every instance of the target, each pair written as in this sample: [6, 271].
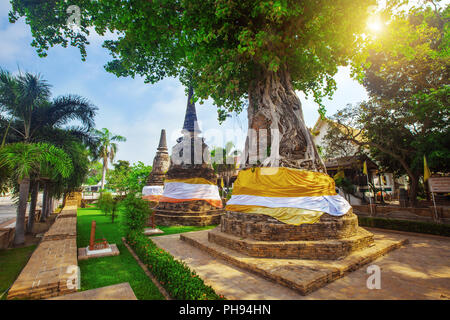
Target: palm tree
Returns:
[29, 115]
[107, 149]
[27, 159]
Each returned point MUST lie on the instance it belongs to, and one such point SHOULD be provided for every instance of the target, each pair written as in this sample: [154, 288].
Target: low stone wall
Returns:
[62, 228]
[409, 213]
[8, 231]
[51, 270]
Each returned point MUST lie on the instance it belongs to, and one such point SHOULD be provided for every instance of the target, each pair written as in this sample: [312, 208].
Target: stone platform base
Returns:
[82, 254]
[187, 213]
[330, 249]
[185, 219]
[302, 275]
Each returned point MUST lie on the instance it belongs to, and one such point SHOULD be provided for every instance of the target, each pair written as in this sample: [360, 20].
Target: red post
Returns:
[92, 240]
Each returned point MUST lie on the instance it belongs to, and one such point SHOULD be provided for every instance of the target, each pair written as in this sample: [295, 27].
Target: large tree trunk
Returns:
[275, 107]
[24, 187]
[33, 202]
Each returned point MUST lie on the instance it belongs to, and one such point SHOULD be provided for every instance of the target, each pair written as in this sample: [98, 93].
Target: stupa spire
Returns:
[190, 119]
[162, 141]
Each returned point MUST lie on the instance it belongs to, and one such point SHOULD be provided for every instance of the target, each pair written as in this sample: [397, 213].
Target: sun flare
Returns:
[375, 25]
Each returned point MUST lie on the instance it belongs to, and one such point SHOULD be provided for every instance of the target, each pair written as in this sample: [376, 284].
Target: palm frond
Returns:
[65, 109]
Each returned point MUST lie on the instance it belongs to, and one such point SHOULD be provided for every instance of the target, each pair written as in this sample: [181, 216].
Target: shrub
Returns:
[136, 212]
[105, 202]
[406, 225]
[180, 282]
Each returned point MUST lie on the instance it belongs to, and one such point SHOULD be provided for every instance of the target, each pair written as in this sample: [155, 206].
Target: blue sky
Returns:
[130, 107]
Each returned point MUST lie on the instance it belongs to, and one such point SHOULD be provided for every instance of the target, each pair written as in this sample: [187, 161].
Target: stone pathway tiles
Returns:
[62, 229]
[418, 270]
[121, 291]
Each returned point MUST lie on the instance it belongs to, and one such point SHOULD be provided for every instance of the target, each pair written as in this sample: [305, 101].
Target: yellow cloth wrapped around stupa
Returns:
[292, 196]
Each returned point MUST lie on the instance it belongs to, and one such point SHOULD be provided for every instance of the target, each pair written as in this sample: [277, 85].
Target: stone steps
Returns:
[301, 275]
[330, 249]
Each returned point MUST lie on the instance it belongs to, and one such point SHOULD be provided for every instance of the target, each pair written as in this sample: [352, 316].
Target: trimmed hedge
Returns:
[180, 282]
[405, 225]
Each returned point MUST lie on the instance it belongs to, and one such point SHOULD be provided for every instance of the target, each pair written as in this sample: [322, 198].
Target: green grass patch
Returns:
[12, 262]
[101, 272]
[405, 225]
[181, 229]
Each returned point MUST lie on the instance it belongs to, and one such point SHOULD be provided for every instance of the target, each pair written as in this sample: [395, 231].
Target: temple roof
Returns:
[190, 119]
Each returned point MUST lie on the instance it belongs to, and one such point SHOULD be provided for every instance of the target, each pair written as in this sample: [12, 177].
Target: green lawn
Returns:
[100, 272]
[12, 262]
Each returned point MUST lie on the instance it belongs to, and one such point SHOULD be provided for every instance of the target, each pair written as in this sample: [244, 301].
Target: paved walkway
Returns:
[120, 291]
[7, 209]
[419, 270]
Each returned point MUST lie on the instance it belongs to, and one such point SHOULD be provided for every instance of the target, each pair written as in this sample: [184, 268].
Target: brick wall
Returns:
[48, 272]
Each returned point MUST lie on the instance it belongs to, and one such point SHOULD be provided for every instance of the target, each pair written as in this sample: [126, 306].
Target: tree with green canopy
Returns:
[26, 159]
[252, 54]
[405, 69]
[106, 149]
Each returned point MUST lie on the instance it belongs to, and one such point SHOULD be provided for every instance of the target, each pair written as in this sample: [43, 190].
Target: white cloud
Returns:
[15, 42]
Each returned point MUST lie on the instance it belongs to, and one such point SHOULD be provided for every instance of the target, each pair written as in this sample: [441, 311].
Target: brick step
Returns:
[330, 249]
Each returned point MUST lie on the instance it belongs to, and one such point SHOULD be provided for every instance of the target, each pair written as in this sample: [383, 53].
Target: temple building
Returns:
[155, 181]
[191, 195]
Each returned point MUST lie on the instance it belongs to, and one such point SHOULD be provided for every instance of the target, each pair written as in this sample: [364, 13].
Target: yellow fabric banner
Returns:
[294, 216]
[283, 182]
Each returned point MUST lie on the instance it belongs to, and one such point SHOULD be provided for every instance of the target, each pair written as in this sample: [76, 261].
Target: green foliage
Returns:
[128, 179]
[136, 213]
[31, 116]
[220, 47]
[405, 225]
[410, 55]
[25, 159]
[180, 282]
[345, 184]
[94, 173]
[105, 202]
[106, 148]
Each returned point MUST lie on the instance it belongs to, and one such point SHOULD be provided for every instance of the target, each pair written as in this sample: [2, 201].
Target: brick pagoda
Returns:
[161, 163]
[185, 167]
